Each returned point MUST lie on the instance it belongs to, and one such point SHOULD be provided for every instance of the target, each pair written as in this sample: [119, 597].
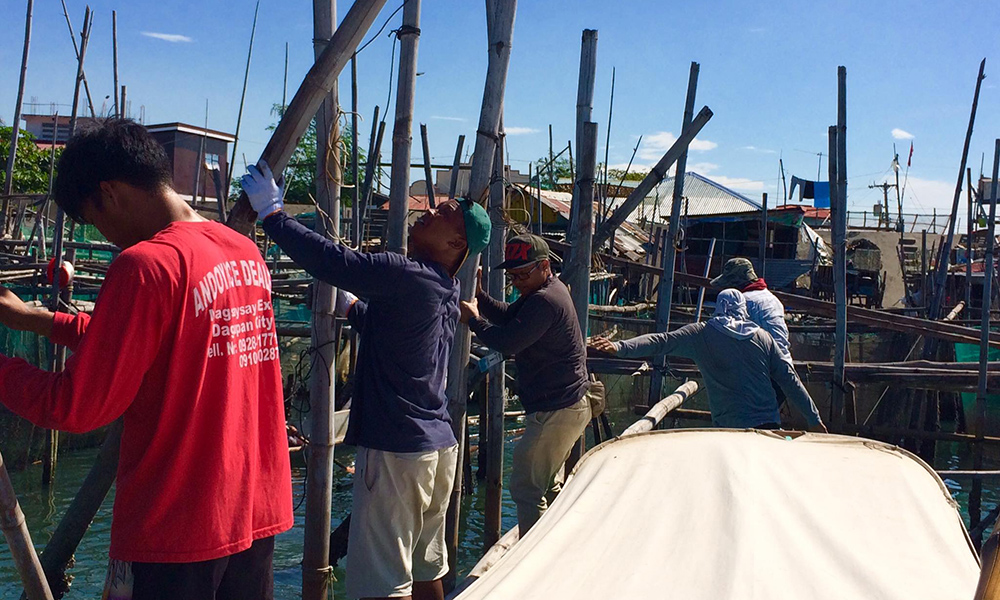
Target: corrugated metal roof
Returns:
[703, 197]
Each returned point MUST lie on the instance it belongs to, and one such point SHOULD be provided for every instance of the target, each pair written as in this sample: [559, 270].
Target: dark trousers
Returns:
[247, 575]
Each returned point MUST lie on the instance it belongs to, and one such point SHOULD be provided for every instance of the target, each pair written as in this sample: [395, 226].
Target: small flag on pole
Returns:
[910, 159]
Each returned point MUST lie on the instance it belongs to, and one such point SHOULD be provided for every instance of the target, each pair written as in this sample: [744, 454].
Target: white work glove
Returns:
[265, 195]
[345, 300]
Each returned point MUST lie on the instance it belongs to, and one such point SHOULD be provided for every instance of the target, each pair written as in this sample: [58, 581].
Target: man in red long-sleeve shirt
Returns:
[182, 343]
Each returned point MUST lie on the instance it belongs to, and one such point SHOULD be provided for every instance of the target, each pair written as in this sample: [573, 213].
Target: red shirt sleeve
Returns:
[102, 377]
[68, 330]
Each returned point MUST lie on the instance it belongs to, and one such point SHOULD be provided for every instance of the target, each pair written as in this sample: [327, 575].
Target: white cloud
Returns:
[756, 149]
[655, 145]
[440, 118]
[703, 168]
[519, 130]
[899, 134]
[168, 37]
[924, 195]
[741, 184]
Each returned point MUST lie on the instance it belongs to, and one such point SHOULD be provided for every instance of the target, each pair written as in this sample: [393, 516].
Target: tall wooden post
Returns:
[8, 182]
[76, 54]
[501, 33]
[941, 274]
[114, 61]
[402, 130]
[494, 436]
[428, 174]
[984, 339]
[837, 402]
[243, 96]
[356, 190]
[371, 165]
[316, 570]
[584, 114]
[577, 271]
[968, 243]
[552, 166]
[763, 235]
[15, 531]
[665, 294]
[456, 169]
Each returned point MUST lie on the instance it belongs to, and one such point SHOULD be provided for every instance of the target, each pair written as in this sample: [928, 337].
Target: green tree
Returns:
[615, 175]
[561, 167]
[31, 165]
[300, 174]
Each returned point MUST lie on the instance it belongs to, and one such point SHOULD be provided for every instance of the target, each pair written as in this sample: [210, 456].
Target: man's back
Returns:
[766, 310]
[182, 343]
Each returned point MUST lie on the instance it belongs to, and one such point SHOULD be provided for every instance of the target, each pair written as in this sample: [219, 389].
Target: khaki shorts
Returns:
[397, 522]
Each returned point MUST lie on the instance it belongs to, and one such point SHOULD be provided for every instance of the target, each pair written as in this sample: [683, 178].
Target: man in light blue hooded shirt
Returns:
[737, 360]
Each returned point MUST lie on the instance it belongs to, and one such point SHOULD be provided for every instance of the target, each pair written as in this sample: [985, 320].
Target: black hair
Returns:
[108, 150]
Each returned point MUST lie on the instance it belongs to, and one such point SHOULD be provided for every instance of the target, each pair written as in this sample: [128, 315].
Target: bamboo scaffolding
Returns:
[243, 97]
[15, 531]
[402, 130]
[665, 291]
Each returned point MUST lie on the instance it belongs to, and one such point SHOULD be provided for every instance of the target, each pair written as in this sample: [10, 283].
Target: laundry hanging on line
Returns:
[819, 191]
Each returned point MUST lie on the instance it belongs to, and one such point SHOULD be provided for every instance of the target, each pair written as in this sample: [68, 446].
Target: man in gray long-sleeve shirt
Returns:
[542, 332]
[737, 360]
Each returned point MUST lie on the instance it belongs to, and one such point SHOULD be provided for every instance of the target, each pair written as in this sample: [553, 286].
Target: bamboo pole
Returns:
[661, 409]
[402, 130]
[428, 176]
[552, 169]
[500, 34]
[701, 290]
[74, 524]
[495, 388]
[371, 164]
[356, 187]
[968, 243]
[199, 165]
[456, 168]
[317, 574]
[976, 492]
[655, 176]
[243, 97]
[576, 273]
[76, 55]
[941, 274]
[318, 82]
[839, 274]
[584, 113]
[114, 63]
[15, 531]
[665, 293]
[763, 236]
[8, 182]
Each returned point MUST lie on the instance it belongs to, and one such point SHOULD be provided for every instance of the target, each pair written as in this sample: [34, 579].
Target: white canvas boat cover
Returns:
[721, 515]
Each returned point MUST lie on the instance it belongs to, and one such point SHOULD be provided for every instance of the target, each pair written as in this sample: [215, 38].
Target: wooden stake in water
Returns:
[501, 33]
[15, 530]
[664, 296]
[316, 570]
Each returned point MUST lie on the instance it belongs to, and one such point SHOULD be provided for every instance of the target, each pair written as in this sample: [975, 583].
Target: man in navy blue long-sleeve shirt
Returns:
[399, 419]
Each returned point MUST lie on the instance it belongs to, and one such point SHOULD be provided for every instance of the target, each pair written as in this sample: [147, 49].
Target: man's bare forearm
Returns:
[35, 320]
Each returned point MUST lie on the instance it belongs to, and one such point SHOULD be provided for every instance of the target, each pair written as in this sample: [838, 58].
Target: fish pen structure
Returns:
[921, 378]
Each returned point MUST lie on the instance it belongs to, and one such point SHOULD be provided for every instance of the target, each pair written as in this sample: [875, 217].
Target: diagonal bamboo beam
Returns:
[317, 84]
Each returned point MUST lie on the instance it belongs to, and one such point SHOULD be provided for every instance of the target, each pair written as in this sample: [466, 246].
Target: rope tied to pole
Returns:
[406, 30]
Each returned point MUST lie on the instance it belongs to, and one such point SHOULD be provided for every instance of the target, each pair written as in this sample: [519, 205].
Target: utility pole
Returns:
[885, 195]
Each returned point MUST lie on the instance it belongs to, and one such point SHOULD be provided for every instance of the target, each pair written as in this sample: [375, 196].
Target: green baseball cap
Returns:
[736, 273]
[477, 226]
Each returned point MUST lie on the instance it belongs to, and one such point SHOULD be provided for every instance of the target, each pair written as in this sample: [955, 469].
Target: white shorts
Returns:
[397, 521]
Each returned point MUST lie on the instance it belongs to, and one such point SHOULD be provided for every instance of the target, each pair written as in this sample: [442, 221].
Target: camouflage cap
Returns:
[736, 273]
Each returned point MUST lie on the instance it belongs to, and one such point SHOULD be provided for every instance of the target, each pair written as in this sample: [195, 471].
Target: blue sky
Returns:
[768, 71]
